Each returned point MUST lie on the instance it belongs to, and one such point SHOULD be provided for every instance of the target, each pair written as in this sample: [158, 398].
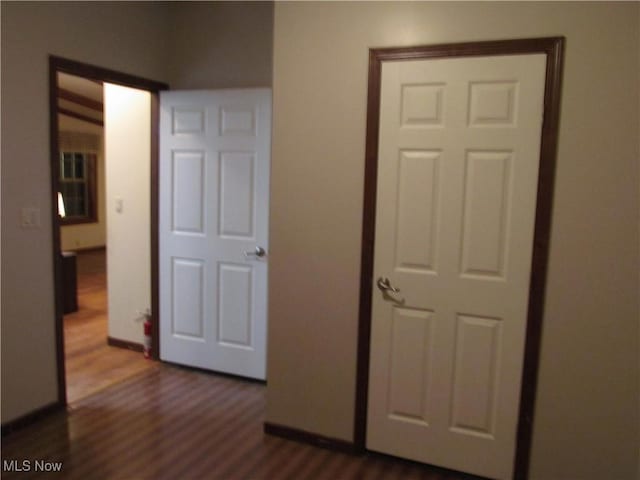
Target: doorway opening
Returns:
[79, 200]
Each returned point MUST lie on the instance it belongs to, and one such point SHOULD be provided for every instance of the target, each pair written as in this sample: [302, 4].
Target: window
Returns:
[77, 183]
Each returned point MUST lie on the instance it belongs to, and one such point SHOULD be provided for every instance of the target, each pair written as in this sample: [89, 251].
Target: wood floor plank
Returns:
[176, 423]
[134, 419]
[91, 364]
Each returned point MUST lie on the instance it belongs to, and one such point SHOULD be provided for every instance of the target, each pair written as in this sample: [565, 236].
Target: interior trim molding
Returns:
[99, 74]
[99, 248]
[553, 47]
[154, 228]
[126, 344]
[31, 417]
[310, 438]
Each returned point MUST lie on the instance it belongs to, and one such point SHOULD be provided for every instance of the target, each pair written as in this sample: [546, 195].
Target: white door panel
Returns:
[214, 203]
[459, 148]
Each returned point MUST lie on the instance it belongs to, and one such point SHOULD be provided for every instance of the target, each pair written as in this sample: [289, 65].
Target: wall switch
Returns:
[30, 217]
[119, 204]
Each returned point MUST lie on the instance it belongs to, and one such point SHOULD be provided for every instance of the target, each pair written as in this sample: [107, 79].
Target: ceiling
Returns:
[80, 101]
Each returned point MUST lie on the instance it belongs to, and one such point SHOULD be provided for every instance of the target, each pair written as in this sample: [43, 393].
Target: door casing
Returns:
[553, 47]
[59, 64]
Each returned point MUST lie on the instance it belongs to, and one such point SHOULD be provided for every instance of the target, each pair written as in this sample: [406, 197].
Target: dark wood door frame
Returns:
[92, 72]
[554, 49]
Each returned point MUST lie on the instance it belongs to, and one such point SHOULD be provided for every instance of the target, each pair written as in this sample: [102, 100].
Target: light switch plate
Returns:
[30, 217]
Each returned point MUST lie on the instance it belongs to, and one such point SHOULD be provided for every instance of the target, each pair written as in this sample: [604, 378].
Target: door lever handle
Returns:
[258, 252]
[385, 286]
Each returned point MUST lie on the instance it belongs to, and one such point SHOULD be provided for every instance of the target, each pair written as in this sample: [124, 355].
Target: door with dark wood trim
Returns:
[56, 65]
[408, 140]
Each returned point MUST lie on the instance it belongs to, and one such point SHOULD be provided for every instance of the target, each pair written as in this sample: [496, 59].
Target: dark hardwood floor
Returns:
[130, 418]
[91, 364]
[175, 423]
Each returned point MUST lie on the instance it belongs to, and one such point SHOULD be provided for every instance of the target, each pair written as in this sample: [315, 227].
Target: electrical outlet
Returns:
[30, 217]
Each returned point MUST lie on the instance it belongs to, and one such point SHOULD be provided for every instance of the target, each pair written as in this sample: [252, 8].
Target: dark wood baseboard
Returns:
[116, 342]
[103, 248]
[310, 438]
[31, 417]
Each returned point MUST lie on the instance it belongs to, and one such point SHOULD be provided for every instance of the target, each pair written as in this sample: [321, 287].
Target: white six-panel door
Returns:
[214, 205]
[459, 148]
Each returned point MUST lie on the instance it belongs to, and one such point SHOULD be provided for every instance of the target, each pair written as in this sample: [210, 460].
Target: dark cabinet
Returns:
[69, 282]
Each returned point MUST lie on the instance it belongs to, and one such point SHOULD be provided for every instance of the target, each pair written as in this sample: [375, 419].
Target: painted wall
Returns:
[141, 38]
[85, 235]
[127, 130]
[220, 44]
[586, 423]
[125, 36]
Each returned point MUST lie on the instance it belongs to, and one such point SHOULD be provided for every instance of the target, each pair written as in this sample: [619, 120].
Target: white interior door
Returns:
[214, 205]
[459, 150]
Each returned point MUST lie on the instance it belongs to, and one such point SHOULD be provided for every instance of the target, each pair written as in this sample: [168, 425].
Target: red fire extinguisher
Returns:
[146, 350]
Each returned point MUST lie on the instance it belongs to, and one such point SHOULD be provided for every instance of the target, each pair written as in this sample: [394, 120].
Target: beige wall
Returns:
[127, 129]
[586, 424]
[220, 44]
[123, 36]
[141, 38]
[587, 416]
